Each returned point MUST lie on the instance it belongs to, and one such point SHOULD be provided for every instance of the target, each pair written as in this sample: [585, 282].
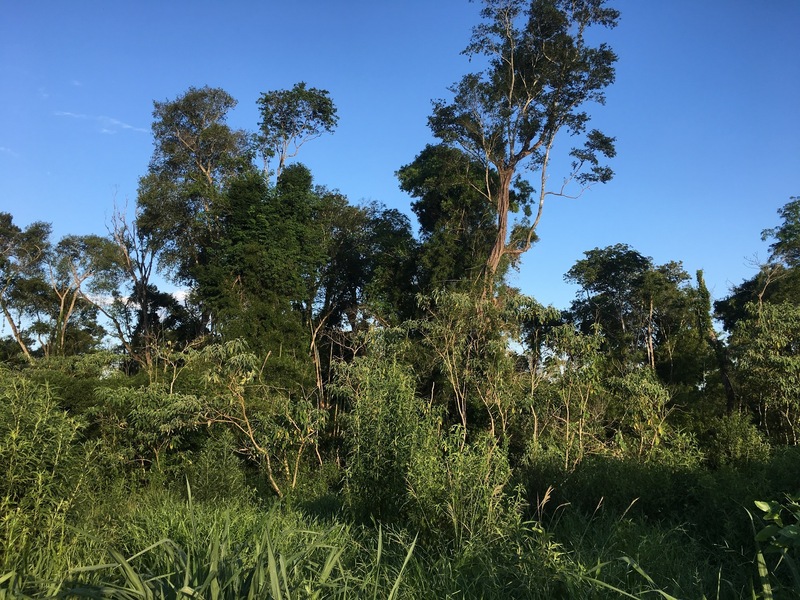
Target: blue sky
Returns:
[706, 111]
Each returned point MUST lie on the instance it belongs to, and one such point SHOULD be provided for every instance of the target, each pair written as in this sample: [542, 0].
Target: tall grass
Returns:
[242, 551]
[317, 569]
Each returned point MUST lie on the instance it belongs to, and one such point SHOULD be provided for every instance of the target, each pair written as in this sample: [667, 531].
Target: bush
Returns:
[459, 491]
[736, 440]
[46, 478]
[382, 427]
[215, 472]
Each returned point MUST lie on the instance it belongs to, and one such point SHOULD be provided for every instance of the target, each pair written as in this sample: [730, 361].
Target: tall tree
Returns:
[777, 280]
[134, 311]
[610, 279]
[760, 313]
[455, 221]
[196, 153]
[541, 72]
[254, 270]
[22, 254]
[83, 273]
[289, 119]
[786, 245]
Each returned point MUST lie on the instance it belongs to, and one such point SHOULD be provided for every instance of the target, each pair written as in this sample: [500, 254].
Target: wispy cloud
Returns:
[9, 151]
[106, 124]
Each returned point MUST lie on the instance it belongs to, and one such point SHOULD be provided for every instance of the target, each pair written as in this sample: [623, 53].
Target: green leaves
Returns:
[786, 247]
[782, 537]
[540, 73]
[290, 118]
[768, 350]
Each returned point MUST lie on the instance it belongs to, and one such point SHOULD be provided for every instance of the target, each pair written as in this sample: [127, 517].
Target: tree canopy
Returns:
[541, 72]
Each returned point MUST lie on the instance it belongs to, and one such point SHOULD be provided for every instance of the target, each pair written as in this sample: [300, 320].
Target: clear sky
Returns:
[706, 111]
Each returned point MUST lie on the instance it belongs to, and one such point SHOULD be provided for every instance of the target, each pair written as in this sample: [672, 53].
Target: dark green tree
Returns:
[777, 280]
[457, 225]
[760, 314]
[648, 313]
[541, 72]
[767, 350]
[610, 279]
[786, 246]
[253, 278]
[368, 269]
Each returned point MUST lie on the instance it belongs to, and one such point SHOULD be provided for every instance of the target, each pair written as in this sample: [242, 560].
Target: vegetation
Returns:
[334, 408]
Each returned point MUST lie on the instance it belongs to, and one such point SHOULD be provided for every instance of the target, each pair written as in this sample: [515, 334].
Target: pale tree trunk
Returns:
[17, 336]
[502, 203]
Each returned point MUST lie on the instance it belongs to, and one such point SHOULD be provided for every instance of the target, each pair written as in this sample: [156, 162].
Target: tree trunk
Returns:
[16, 334]
[503, 202]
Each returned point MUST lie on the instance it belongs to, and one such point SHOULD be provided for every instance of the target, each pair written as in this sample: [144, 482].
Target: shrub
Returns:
[736, 440]
[382, 429]
[46, 475]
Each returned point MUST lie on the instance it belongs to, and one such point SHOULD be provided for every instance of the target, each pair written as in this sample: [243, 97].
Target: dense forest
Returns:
[342, 403]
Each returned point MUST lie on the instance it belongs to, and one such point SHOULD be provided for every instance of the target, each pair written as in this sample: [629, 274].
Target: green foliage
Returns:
[640, 408]
[242, 552]
[276, 426]
[22, 255]
[196, 153]
[568, 407]
[382, 430]
[460, 493]
[766, 345]
[456, 223]
[142, 425]
[290, 118]
[405, 461]
[786, 247]
[780, 539]
[255, 269]
[293, 375]
[471, 372]
[47, 476]
[778, 281]
[647, 313]
[215, 472]
[736, 440]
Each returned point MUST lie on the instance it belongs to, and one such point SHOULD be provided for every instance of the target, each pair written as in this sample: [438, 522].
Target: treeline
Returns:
[323, 356]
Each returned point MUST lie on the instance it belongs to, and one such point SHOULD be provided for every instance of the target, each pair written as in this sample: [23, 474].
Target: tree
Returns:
[196, 154]
[290, 118]
[22, 253]
[456, 223]
[366, 274]
[137, 253]
[777, 280]
[540, 73]
[717, 345]
[82, 271]
[767, 348]
[760, 315]
[253, 274]
[610, 279]
[786, 247]
[367, 267]
[647, 312]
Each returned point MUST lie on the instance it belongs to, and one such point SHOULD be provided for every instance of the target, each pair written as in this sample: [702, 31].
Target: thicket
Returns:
[334, 407]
